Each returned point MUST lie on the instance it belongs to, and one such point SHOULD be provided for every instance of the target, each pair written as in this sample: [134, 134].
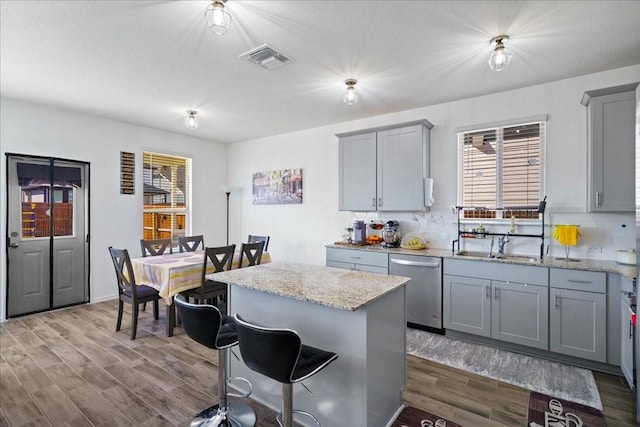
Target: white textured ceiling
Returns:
[147, 62]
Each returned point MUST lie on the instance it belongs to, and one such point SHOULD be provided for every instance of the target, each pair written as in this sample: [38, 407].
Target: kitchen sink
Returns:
[508, 257]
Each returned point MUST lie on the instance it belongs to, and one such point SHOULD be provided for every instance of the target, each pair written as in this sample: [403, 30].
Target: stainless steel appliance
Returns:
[359, 232]
[390, 234]
[424, 291]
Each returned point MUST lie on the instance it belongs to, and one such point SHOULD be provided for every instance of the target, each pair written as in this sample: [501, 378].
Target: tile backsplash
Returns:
[601, 235]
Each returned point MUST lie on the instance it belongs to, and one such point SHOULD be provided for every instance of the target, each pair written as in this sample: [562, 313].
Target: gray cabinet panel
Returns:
[352, 259]
[401, 163]
[531, 275]
[578, 324]
[467, 305]
[519, 314]
[611, 143]
[357, 190]
[384, 169]
[578, 280]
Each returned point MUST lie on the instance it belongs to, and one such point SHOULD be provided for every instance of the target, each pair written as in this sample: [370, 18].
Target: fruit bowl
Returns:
[413, 241]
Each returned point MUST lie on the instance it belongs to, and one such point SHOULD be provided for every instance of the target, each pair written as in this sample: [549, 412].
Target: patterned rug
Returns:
[413, 417]
[546, 411]
[539, 375]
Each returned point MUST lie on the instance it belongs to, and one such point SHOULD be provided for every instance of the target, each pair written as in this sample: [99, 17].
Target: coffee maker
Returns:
[390, 234]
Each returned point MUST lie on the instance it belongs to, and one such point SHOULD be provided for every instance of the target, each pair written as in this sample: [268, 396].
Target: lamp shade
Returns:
[218, 18]
[500, 56]
[191, 122]
[350, 97]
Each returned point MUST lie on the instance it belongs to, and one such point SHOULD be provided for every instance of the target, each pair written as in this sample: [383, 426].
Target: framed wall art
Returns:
[277, 187]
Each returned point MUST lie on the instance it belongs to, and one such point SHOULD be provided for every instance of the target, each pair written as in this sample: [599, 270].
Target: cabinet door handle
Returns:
[379, 201]
[495, 293]
[557, 302]
[373, 202]
[487, 291]
[579, 281]
[354, 257]
[630, 329]
[597, 198]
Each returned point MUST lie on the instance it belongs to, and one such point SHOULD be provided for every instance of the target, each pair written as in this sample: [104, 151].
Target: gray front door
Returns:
[46, 235]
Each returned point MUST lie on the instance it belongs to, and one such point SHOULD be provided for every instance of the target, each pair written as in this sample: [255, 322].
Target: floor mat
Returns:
[550, 411]
[535, 374]
[413, 417]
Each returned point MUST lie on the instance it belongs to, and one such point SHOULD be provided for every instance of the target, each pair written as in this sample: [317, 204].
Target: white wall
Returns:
[115, 219]
[299, 232]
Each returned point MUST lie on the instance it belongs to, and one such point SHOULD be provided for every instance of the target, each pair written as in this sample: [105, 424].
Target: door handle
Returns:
[597, 198]
[495, 293]
[487, 291]
[557, 302]
[13, 245]
[415, 263]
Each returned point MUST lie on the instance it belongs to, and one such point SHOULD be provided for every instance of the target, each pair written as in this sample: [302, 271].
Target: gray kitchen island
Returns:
[359, 315]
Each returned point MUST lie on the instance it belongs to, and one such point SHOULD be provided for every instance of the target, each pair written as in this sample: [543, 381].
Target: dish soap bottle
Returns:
[480, 232]
[512, 224]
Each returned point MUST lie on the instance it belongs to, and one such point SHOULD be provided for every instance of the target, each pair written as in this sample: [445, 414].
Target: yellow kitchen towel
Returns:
[566, 234]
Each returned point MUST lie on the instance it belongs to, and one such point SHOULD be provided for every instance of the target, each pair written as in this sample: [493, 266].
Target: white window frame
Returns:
[499, 127]
[187, 210]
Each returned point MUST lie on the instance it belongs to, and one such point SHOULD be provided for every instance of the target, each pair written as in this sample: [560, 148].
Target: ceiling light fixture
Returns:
[500, 55]
[191, 122]
[350, 96]
[217, 16]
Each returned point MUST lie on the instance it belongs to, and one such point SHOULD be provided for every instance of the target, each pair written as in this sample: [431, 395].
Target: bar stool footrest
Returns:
[296, 411]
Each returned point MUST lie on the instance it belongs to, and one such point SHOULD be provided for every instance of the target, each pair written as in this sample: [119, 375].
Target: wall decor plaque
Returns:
[127, 172]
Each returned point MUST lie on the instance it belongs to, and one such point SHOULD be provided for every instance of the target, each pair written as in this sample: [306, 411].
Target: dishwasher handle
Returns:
[415, 263]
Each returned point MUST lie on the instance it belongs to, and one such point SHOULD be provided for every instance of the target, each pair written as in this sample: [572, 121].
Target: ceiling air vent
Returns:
[267, 57]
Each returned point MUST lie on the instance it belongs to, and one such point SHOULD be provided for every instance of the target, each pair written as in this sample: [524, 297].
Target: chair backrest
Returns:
[124, 272]
[154, 247]
[256, 239]
[201, 322]
[220, 264]
[253, 252]
[190, 243]
[269, 351]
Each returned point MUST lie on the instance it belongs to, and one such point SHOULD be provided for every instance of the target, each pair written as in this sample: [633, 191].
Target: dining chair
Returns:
[221, 258]
[256, 239]
[253, 252]
[128, 291]
[190, 243]
[155, 247]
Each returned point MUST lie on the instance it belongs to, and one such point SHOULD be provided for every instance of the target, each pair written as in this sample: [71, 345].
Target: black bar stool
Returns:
[205, 325]
[280, 355]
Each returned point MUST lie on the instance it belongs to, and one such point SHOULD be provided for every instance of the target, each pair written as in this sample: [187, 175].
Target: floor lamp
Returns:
[228, 193]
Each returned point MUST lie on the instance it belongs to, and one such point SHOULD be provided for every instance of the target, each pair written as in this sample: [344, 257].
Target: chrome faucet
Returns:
[502, 240]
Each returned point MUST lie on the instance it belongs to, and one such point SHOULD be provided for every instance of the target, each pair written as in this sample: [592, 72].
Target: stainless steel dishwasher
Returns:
[424, 291]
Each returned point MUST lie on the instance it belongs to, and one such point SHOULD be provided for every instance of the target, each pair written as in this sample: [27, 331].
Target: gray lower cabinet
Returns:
[578, 313]
[513, 311]
[519, 314]
[626, 344]
[467, 305]
[360, 260]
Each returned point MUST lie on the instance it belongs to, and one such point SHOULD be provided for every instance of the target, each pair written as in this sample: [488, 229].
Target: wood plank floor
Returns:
[70, 368]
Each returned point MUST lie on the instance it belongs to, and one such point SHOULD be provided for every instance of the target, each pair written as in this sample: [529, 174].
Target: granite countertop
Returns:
[333, 287]
[628, 271]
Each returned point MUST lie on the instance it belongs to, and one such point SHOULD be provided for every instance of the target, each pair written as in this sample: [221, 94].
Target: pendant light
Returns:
[191, 122]
[500, 55]
[217, 16]
[350, 96]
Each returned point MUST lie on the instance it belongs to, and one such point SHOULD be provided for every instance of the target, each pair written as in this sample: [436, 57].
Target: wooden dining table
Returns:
[173, 273]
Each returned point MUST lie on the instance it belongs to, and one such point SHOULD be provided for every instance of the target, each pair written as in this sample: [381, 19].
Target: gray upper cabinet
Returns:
[384, 169]
[611, 148]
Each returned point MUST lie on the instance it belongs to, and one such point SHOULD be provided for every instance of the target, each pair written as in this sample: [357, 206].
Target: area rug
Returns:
[539, 375]
[413, 417]
[550, 411]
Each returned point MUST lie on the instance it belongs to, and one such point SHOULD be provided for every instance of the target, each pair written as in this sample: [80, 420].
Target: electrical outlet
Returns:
[594, 248]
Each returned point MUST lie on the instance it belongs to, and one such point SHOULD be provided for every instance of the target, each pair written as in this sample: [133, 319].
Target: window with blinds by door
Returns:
[501, 170]
[167, 204]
